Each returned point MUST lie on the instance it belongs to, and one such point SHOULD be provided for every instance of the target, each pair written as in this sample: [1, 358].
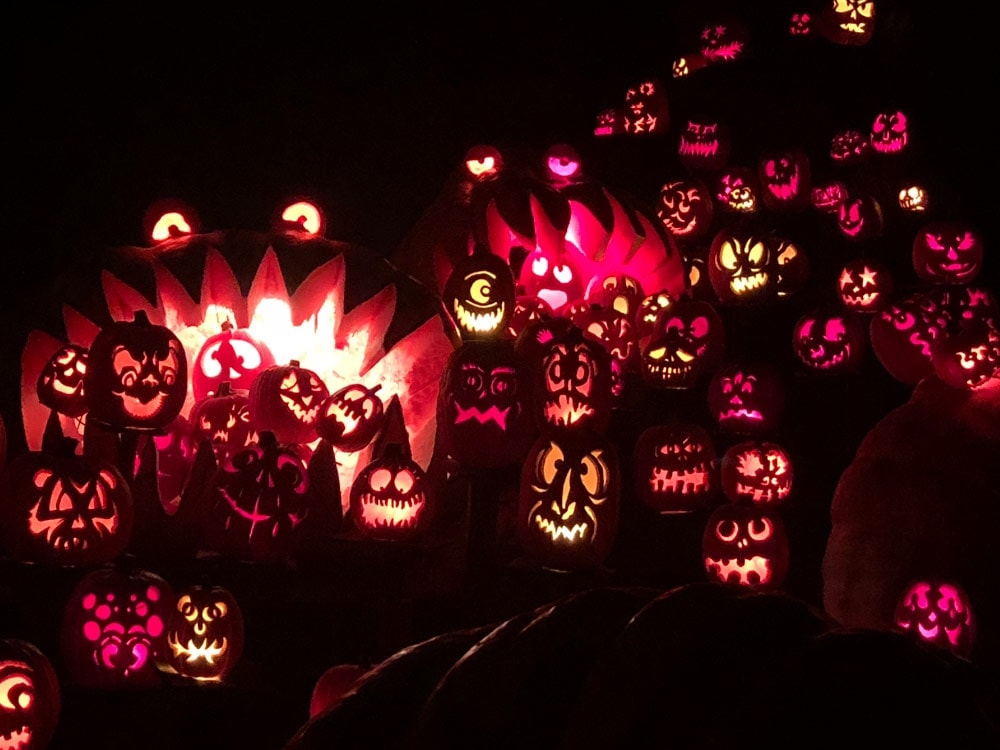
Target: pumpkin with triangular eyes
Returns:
[746, 398]
[741, 268]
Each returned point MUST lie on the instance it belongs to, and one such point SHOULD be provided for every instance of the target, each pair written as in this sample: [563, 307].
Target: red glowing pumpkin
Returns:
[757, 471]
[30, 696]
[938, 611]
[675, 468]
[947, 252]
[746, 544]
[233, 355]
[746, 398]
[350, 418]
[285, 400]
[204, 633]
[829, 339]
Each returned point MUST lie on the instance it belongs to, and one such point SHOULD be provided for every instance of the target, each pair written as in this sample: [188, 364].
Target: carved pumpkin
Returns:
[829, 339]
[350, 418]
[741, 267]
[902, 336]
[675, 468]
[569, 501]
[136, 375]
[620, 292]
[204, 633]
[573, 386]
[60, 384]
[786, 178]
[223, 419]
[613, 330]
[610, 121]
[746, 544]
[704, 144]
[850, 147]
[757, 471]
[865, 285]
[947, 252]
[479, 294]
[646, 108]
[827, 196]
[860, 217]
[392, 498]
[234, 356]
[649, 311]
[970, 357]
[114, 628]
[723, 40]
[939, 612]
[890, 132]
[483, 411]
[553, 277]
[285, 400]
[747, 399]
[913, 198]
[738, 190]
[686, 209]
[847, 22]
[30, 696]
[527, 310]
[687, 342]
[64, 509]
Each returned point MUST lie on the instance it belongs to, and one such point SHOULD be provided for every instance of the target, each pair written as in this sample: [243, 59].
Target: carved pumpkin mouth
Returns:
[866, 299]
[203, 651]
[302, 412]
[785, 191]
[17, 739]
[741, 414]
[958, 268]
[854, 27]
[67, 390]
[744, 284]
[555, 298]
[820, 357]
[492, 414]
[391, 513]
[565, 410]
[699, 148]
[478, 321]
[683, 481]
[745, 570]
[142, 408]
[777, 491]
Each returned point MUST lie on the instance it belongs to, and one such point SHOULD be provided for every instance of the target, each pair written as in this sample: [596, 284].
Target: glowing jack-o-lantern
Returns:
[649, 310]
[30, 696]
[675, 467]
[746, 544]
[483, 414]
[392, 498]
[849, 147]
[968, 358]
[169, 219]
[685, 208]
[204, 633]
[687, 342]
[301, 217]
[351, 417]
[646, 108]
[738, 190]
[224, 421]
[865, 285]
[800, 24]
[723, 41]
[704, 144]
[741, 267]
[114, 628]
[479, 294]
[902, 336]
[233, 356]
[847, 22]
[746, 398]
[913, 198]
[947, 252]
[860, 217]
[939, 612]
[610, 121]
[757, 471]
[64, 509]
[619, 292]
[285, 400]
[828, 196]
[136, 375]
[569, 501]
[829, 339]
[890, 132]
[553, 277]
[573, 385]
[612, 330]
[60, 384]
[786, 178]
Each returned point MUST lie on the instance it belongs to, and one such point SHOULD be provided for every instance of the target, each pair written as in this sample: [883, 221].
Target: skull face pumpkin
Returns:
[939, 612]
[60, 384]
[746, 544]
[392, 497]
[688, 341]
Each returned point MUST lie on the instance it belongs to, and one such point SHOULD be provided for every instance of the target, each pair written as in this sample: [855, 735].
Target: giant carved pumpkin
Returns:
[30, 696]
[204, 633]
[63, 509]
[114, 628]
[675, 468]
[569, 501]
[746, 544]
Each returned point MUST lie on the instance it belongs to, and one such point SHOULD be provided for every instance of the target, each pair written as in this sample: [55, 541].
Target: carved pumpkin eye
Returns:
[16, 688]
[380, 479]
[760, 529]
[594, 476]
[404, 481]
[550, 460]
[480, 291]
[540, 265]
[290, 383]
[503, 382]
[756, 254]
[727, 530]
[727, 257]
[563, 274]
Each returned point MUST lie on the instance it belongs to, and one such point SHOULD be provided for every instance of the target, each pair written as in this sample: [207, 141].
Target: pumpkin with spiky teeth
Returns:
[390, 498]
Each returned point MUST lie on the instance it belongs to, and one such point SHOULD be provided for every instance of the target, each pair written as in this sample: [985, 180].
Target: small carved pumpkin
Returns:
[747, 399]
[392, 497]
[723, 40]
[479, 294]
[847, 22]
[114, 628]
[947, 252]
[850, 147]
[64, 509]
[829, 339]
[741, 268]
[527, 310]
[746, 544]
[687, 342]
[610, 121]
[827, 196]
[223, 419]
[913, 198]
[865, 285]
[136, 375]
[350, 418]
[786, 177]
[757, 471]
[860, 218]
[569, 501]
[704, 144]
[233, 355]
[204, 633]
[646, 108]
[890, 132]
[620, 292]
[939, 612]
[285, 400]
[649, 310]
[686, 209]
[739, 191]
[60, 383]
[30, 696]
[675, 467]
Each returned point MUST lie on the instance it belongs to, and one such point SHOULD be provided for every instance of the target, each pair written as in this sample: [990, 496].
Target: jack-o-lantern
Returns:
[687, 342]
[646, 108]
[786, 177]
[285, 400]
[758, 471]
[827, 196]
[704, 144]
[947, 252]
[572, 387]
[60, 384]
[860, 218]
[865, 285]
[964, 304]
[970, 357]
[913, 198]
[741, 268]
[699, 286]
[620, 292]
[613, 330]
[479, 294]
[233, 356]
[890, 132]
[724, 40]
[746, 544]
[738, 190]
[114, 628]
[136, 375]
[223, 419]
[392, 498]
[610, 121]
[684, 66]
[847, 22]
[902, 336]
[685, 207]
[64, 509]
[800, 24]
[649, 310]
[204, 633]
[553, 277]
[675, 468]
[791, 266]
[30, 696]
[850, 147]
[483, 416]
[569, 501]
[747, 399]
[350, 418]
[257, 502]
[938, 611]
[299, 217]
[829, 339]
[175, 451]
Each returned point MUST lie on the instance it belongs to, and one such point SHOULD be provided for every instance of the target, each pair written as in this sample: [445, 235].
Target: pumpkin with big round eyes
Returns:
[351, 417]
[136, 375]
[947, 252]
[30, 696]
[746, 398]
[60, 384]
[938, 611]
[392, 498]
[285, 400]
[746, 544]
[573, 385]
[232, 355]
[204, 633]
[479, 294]
[555, 277]
[829, 339]
[739, 190]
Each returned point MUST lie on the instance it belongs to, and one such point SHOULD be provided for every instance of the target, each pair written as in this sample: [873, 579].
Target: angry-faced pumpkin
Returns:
[223, 419]
[746, 544]
[740, 267]
[569, 501]
[746, 398]
[204, 633]
[285, 400]
[829, 339]
[30, 696]
[60, 384]
[757, 471]
[647, 109]
[890, 132]
[675, 467]
[704, 144]
[947, 252]
[847, 22]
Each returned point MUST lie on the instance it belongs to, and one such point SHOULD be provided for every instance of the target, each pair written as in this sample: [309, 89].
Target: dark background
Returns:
[371, 110]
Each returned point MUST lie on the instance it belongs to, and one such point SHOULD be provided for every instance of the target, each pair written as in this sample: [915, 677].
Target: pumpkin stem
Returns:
[266, 439]
[141, 318]
[225, 389]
